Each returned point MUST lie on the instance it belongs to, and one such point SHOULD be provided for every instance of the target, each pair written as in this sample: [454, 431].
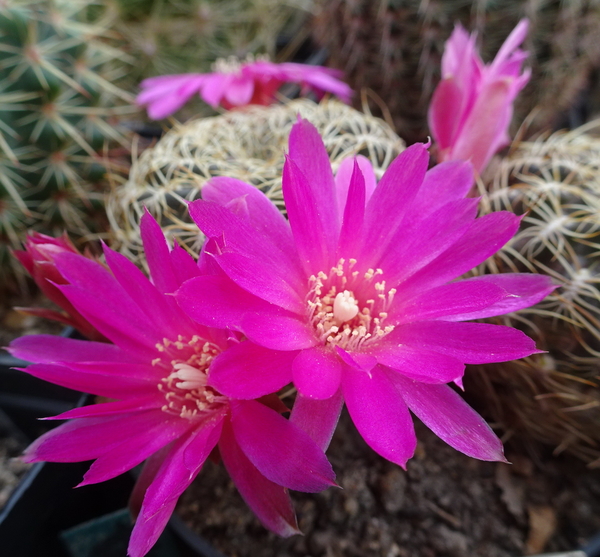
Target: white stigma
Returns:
[345, 307]
[191, 377]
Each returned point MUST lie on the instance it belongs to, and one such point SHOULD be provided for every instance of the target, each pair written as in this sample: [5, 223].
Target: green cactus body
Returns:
[554, 397]
[58, 107]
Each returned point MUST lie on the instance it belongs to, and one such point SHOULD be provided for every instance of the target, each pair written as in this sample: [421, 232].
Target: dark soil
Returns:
[12, 468]
[445, 505]
[14, 324]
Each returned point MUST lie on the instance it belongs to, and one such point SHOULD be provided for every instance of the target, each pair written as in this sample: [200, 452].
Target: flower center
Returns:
[184, 385]
[233, 64]
[348, 308]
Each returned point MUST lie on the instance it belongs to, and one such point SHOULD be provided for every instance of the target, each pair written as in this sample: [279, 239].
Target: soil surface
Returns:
[12, 468]
[445, 505]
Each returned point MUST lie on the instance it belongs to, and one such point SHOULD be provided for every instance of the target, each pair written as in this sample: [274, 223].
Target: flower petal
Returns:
[471, 343]
[286, 455]
[270, 502]
[318, 418]
[310, 157]
[390, 201]
[249, 257]
[445, 301]
[380, 414]
[354, 212]
[522, 291]
[484, 237]
[261, 211]
[444, 412]
[88, 438]
[48, 349]
[178, 469]
[157, 252]
[413, 248]
[317, 372]
[249, 371]
[315, 236]
[418, 363]
[96, 384]
[135, 449]
[344, 175]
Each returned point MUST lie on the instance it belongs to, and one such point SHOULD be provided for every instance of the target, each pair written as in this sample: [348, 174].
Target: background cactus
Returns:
[179, 36]
[59, 108]
[555, 397]
[393, 49]
[245, 144]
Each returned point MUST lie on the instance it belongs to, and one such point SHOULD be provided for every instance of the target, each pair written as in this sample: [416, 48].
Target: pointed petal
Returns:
[157, 252]
[89, 438]
[315, 236]
[134, 450]
[445, 112]
[280, 450]
[147, 531]
[132, 404]
[485, 236]
[344, 175]
[522, 291]
[412, 249]
[261, 211]
[270, 502]
[249, 371]
[279, 331]
[99, 378]
[390, 201]
[444, 412]
[471, 343]
[55, 349]
[442, 302]
[354, 212]
[180, 467]
[317, 372]
[380, 414]
[159, 309]
[485, 127]
[308, 152]
[318, 418]
[249, 257]
[444, 183]
[418, 363]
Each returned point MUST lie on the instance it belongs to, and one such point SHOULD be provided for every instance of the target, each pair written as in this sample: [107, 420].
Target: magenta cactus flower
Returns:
[356, 298]
[236, 84]
[472, 106]
[163, 409]
[38, 258]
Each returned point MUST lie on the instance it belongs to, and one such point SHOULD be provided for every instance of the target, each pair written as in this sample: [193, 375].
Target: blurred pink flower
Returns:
[235, 84]
[38, 258]
[355, 298]
[472, 106]
[157, 371]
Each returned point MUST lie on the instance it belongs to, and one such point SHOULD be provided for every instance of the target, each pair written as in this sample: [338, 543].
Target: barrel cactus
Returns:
[59, 106]
[553, 397]
[246, 144]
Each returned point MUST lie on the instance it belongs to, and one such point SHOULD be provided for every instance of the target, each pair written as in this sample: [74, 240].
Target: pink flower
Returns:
[472, 106]
[38, 258]
[356, 297]
[235, 84]
[164, 410]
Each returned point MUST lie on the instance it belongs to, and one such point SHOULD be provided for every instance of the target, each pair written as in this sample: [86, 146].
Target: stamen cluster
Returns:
[185, 388]
[336, 311]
